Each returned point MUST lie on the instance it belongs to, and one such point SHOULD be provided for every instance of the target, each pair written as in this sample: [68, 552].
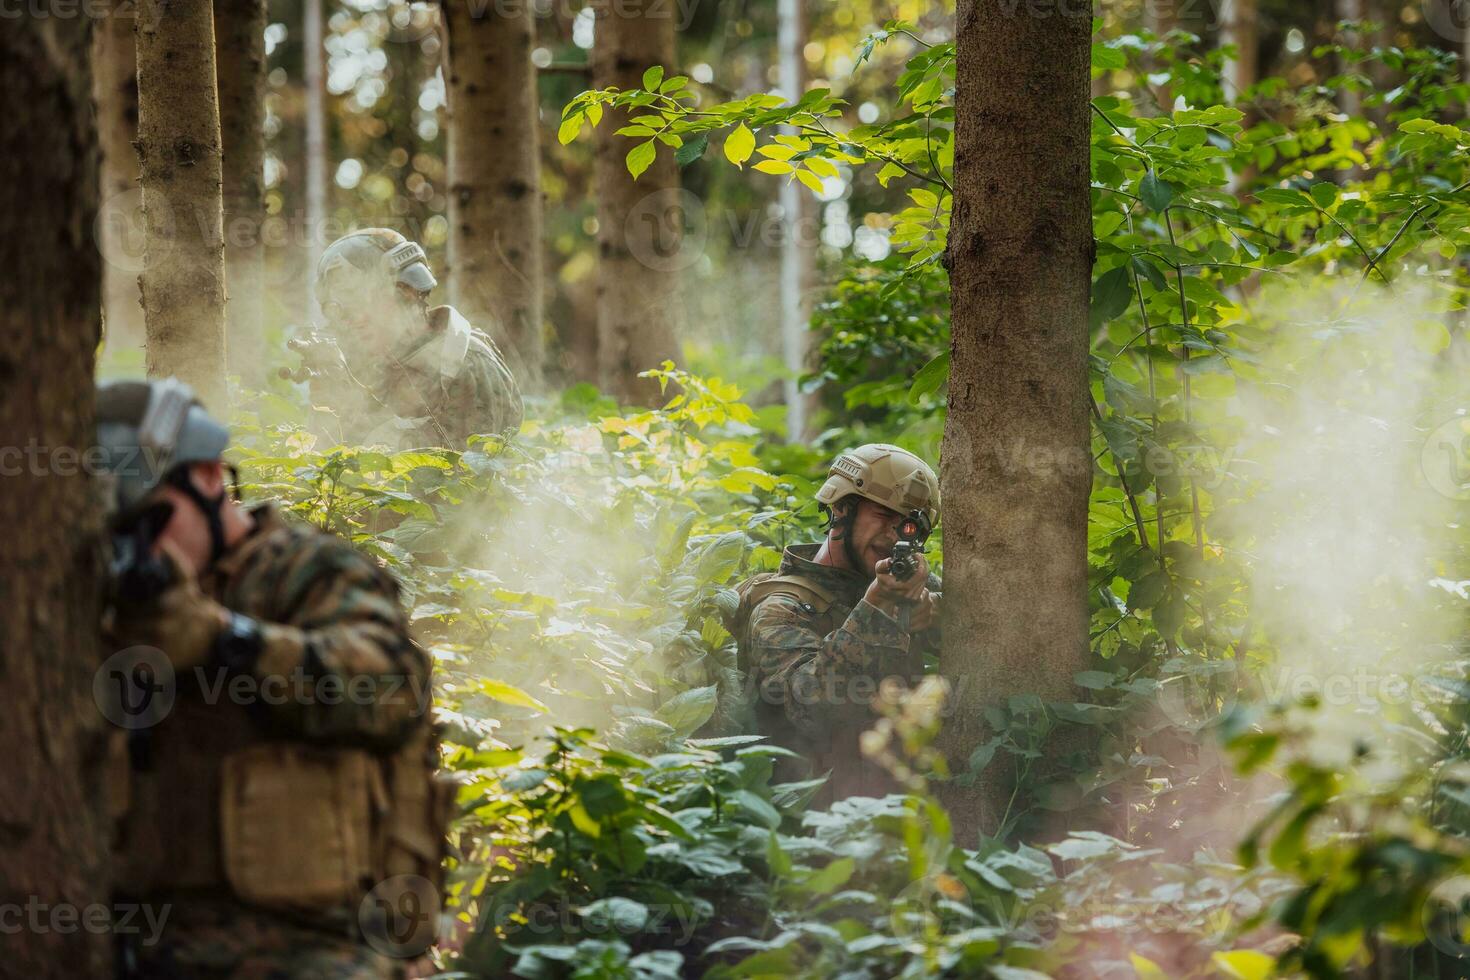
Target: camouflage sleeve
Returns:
[343, 651]
[482, 399]
[818, 678]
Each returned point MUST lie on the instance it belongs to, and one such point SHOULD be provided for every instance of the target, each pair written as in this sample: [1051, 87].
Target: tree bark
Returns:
[798, 253]
[1238, 27]
[495, 247]
[1017, 469]
[119, 230]
[314, 154]
[239, 31]
[180, 168]
[640, 224]
[53, 822]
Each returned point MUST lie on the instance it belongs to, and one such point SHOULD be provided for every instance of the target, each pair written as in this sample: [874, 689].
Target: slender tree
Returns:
[1238, 28]
[1348, 99]
[798, 257]
[239, 31]
[183, 278]
[1016, 470]
[314, 153]
[115, 89]
[495, 258]
[53, 824]
[640, 223]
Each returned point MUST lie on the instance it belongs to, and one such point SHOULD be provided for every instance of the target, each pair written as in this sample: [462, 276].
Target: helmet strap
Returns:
[211, 507]
[840, 518]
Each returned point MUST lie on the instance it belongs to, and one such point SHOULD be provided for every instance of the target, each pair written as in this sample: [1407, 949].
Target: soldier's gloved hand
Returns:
[181, 620]
[888, 593]
[924, 613]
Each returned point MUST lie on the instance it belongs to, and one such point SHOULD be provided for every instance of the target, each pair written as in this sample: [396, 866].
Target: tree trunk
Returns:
[239, 31]
[53, 821]
[495, 259]
[1016, 468]
[1349, 100]
[313, 74]
[179, 162]
[640, 224]
[1238, 27]
[1161, 17]
[797, 250]
[115, 89]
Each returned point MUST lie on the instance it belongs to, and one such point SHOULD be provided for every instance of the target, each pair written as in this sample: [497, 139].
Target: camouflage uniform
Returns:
[327, 614]
[438, 388]
[815, 673]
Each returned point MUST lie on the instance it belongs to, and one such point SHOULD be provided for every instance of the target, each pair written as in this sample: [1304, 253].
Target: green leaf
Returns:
[509, 694]
[640, 158]
[755, 807]
[686, 712]
[620, 915]
[569, 129]
[692, 150]
[1106, 58]
[931, 378]
[1111, 294]
[1156, 193]
[774, 167]
[1245, 964]
[652, 78]
[739, 145]
[1147, 590]
[1093, 680]
[830, 878]
[1324, 194]
[889, 171]
[811, 180]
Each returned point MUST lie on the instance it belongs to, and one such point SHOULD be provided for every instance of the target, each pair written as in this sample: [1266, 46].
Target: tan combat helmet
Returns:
[886, 475]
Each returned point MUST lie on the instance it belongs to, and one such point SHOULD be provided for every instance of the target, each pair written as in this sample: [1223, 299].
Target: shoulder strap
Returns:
[797, 587]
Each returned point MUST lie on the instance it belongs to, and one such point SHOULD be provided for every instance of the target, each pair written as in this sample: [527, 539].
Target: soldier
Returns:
[395, 371]
[819, 638]
[280, 795]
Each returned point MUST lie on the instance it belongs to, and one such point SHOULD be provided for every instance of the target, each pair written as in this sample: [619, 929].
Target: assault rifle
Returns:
[913, 531]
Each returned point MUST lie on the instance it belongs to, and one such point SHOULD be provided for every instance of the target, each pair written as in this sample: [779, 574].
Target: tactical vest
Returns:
[223, 809]
[758, 588]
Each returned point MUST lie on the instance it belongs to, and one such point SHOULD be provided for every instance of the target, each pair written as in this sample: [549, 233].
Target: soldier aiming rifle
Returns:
[819, 637]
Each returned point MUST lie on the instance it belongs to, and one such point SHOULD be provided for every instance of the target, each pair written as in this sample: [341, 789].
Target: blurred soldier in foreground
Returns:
[819, 637]
[394, 371]
[279, 798]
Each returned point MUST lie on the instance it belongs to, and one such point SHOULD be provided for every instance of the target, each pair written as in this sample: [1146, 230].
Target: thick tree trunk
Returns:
[239, 31]
[53, 823]
[495, 260]
[180, 168]
[640, 224]
[119, 230]
[1016, 463]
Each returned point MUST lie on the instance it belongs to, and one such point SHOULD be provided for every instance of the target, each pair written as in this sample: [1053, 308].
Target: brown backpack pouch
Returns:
[296, 824]
[312, 829]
